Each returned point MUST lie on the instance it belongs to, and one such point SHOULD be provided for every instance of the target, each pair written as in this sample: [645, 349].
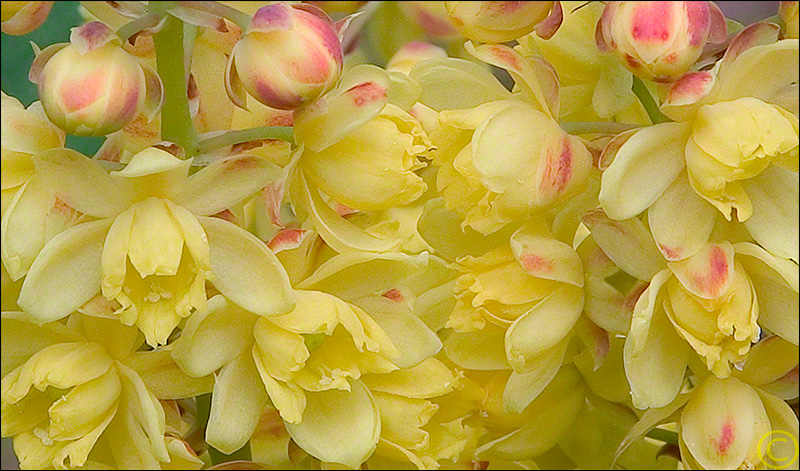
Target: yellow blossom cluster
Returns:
[403, 235]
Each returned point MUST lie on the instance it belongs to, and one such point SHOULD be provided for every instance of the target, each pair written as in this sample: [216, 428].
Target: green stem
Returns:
[662, 435]
[650, 105]
[597, 127]
[176, 121]
[230, 138]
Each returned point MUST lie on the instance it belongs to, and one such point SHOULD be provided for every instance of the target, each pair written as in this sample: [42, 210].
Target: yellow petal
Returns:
[655, 356]
[414, 340]
[23, 338]
[774, 223]
[213, 337]
[452, 83]
[627, 243]
[709, 273]
[245, 270]
[52, 290]
[81, 182]
[224, 183]
[643, 168]
[546, 257]
[543, 327]
[162, 375]
[238, 399]
[680, 221]
[62, 366]
[428, 379]
[330, 412]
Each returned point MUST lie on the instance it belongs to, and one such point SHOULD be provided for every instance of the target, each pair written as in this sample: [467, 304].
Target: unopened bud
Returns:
[23, 17]
[289, 57]
[92, 87]
[497, 22]
[659, 40]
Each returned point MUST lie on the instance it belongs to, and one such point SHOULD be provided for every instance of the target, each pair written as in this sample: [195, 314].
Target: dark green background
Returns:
[17, 57]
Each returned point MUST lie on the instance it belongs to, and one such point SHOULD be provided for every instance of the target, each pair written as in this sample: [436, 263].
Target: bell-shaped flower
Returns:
[288, 57]
[739, 152]
[442, 405]
[360, 150]
[20, 18]
[659, 40]
[789, 12]
[91, 86]
[67, 388]
[308, 364]
[498, 22]
[516, 307]
[153, 246]
[504, 160]
[712, 304]
[312, 362]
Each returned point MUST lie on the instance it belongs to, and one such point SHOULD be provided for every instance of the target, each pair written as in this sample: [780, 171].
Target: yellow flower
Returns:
[659, 40]
[763, 133]
[23, 17]
[359, 149]
[442, 405]
[504, 160]
[710, 304]
[515, 310]
[82, 384]
[739, 151]
[91, 86]
[153, 247]
[311, 362]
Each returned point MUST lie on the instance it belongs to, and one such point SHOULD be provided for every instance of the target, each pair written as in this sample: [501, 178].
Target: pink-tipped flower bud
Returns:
[659, 41]
[498, 22]
[23, 17]
[289, 57]
[91, 86]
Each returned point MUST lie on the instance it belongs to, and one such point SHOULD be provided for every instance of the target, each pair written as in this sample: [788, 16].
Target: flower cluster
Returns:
[556, 235]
